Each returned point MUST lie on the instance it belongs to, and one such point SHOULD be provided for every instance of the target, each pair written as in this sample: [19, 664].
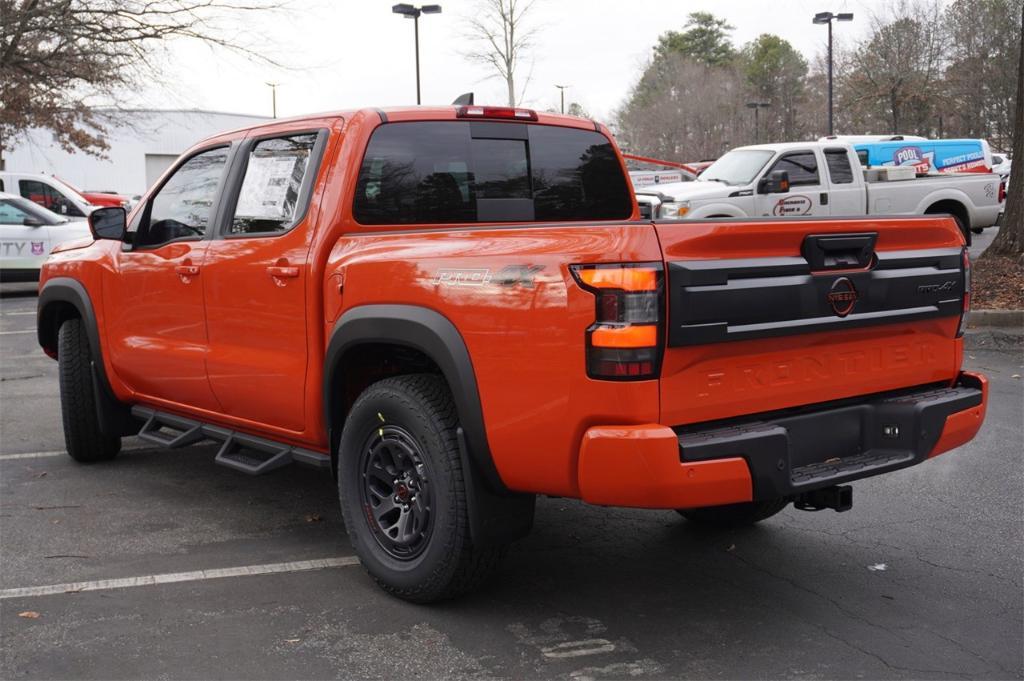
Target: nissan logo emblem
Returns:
[842, 296]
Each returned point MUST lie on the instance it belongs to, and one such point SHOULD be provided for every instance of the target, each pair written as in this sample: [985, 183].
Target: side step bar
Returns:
[247, 453]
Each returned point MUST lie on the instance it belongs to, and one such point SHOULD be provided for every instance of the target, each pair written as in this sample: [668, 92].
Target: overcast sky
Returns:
[349, 53]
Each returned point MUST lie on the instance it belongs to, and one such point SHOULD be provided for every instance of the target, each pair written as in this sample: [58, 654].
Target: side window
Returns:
[268, 202]
[182, 207]
[11, 214]
[839, 170]
[48, 197]
[801, 166]
[862, 156]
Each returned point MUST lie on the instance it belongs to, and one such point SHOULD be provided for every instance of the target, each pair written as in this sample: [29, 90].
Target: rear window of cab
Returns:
[447, 172]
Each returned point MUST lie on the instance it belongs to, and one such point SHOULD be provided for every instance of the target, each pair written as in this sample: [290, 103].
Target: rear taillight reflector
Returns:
[624, 342]
[1002, 192]
[502, 112]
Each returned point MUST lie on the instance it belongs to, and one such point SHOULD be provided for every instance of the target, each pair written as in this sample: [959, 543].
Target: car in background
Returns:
[1001, 164]
[103, 198]
[47, 191]
[28, 233]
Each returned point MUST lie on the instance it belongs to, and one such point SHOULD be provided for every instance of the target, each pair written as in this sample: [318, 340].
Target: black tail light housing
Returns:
[626, 340]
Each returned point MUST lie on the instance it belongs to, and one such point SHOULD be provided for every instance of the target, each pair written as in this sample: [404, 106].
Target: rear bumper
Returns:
[779, 454]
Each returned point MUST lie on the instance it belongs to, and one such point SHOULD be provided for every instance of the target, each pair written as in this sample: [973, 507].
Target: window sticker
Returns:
[264, 193]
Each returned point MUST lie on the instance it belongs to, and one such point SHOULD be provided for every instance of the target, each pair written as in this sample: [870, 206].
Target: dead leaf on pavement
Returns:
[29, 614]
[313, 518]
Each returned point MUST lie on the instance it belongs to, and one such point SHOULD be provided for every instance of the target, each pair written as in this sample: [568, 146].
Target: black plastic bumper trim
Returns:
[827, 444]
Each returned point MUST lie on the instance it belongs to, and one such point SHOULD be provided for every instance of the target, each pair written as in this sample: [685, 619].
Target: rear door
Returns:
[776, 314]
[808, 189]
[846, 193]
[256, 275]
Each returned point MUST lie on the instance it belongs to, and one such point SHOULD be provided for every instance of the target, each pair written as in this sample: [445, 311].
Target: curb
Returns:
[1003, 319]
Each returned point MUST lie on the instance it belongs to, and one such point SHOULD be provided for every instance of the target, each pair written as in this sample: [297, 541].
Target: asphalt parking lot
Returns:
[922, 579]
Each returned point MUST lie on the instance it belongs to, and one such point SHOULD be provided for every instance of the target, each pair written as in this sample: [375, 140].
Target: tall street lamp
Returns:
[756, 106]
[562, 88]
[412, 12]
[273, 98]
[828, 18]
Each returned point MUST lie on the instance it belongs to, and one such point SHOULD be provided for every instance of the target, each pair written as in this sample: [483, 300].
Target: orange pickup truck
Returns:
[455, 309]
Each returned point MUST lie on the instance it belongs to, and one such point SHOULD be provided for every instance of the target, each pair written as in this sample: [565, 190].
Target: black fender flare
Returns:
[497, 514]
[114, 416]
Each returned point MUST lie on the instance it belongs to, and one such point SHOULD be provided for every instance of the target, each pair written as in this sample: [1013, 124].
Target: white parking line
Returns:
[43, 455]
[170, 578]
[16, 314]
[29, 455]
[11, 333]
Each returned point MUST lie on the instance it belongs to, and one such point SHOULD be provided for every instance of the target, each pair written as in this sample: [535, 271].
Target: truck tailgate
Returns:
[768, 314]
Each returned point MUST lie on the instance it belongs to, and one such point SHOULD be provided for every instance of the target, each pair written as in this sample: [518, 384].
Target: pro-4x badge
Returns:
[842, 296]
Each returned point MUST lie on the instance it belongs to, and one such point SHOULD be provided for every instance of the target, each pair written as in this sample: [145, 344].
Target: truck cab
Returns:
[822, 179]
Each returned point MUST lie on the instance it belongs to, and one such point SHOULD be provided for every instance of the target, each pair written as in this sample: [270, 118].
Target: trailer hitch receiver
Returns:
[838, 498]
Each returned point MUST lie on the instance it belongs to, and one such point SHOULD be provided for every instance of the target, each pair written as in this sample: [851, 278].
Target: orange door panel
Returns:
[256, 307]
[155, 323]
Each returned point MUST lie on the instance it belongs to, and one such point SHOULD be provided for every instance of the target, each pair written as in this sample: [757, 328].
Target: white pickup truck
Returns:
[822, 178]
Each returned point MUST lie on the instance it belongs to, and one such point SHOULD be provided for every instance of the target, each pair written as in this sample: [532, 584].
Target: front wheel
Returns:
[84, 438]
[403, 491]
[735, 515]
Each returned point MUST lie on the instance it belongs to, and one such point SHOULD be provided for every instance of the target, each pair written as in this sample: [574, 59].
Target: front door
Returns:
[255, 279]
[153, 303]
[808, 191]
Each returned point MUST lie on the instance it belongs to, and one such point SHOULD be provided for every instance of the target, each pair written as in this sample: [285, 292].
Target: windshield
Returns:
[737, 167]
[14, 210]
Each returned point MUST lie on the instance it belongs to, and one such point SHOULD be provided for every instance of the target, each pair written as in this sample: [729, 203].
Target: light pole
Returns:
[412, 12]
[273, 98]
[756, 106]
[561, 89]
[828, 18]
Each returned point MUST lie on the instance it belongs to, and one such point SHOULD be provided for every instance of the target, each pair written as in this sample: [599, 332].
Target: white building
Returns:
[141, 148]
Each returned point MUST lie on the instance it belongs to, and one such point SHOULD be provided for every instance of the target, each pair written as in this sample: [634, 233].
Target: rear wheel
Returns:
[735, 515]
[85, 440]
[403, 491]
[977, 230]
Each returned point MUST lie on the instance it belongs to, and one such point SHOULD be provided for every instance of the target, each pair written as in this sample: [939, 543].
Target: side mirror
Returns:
[108, 223]
[775, 182]
[32, 222]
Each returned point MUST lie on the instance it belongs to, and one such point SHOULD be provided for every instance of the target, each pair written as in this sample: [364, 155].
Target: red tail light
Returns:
[1002, 192]
[503, 112]
[624, 342]
[967, 293]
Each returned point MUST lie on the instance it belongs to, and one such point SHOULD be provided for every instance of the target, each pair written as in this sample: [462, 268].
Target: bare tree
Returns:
[499, 29]
[897, 70]
[663, 118]
[61, 59]
[1010, 240]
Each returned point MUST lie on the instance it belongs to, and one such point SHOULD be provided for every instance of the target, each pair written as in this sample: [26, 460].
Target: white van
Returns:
[28, 233]
[48, 192]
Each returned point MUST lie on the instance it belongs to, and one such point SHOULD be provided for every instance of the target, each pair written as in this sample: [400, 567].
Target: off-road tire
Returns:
[449, 565]
[85, 440]
[735, 515]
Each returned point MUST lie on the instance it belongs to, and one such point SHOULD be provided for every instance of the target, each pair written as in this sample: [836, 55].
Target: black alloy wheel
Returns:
[396, 492]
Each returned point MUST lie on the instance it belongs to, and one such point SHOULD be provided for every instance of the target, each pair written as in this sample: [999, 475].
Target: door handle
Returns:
[824, 198]
[282, 272]
[187, 270]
